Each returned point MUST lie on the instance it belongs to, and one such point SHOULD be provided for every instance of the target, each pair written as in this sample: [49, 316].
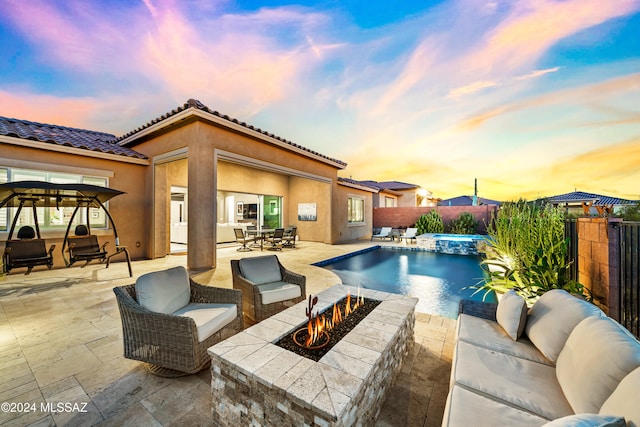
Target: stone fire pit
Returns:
[254, 382]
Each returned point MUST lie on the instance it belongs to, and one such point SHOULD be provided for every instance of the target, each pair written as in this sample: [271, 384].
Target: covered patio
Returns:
[61, 342]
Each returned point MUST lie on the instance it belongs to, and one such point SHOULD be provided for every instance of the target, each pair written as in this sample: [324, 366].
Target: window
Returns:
[389, 202]
[355, 208]
[52, 217]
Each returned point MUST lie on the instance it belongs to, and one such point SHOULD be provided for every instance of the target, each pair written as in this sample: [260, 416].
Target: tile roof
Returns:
[580, 196]
[467, 201]
[195, 104]
[65, 136]
[390, 185]
[356, 183]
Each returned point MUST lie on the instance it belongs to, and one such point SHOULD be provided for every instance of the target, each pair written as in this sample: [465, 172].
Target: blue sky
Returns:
[531, 97]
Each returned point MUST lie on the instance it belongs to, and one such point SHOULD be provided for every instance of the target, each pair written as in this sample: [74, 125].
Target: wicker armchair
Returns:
[253, 292]
[485, 310]
[168, 343]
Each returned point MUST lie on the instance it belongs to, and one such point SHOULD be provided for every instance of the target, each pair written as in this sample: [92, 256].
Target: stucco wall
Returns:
[341, 229]
[303, 190]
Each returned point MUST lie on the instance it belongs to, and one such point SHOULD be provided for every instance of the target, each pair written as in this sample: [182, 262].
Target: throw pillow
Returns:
[512, 314]
[588, 420]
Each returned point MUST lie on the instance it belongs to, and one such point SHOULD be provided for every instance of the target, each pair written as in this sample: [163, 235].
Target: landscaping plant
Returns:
[527, 251]
[465, 223]
[430, 223]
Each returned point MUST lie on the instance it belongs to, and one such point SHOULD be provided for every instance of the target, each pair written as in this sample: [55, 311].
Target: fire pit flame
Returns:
[318, 327]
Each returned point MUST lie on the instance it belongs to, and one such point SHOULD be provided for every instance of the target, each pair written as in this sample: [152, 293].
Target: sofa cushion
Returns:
[466, 408]
[164, 291]
[588, 420]
[488, 334]
[553, 317]
[624, 400]
[521, 383]
[260, 270]
[511, 314]
[597, 356]
[278, 291]
[209, 318]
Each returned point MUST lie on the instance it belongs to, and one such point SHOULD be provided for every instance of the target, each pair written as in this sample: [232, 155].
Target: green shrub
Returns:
[464, 224]
[527, 251]
[630, 212]
[430, 223]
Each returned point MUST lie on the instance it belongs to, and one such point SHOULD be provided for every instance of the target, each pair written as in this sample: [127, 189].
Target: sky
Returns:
[532, 98]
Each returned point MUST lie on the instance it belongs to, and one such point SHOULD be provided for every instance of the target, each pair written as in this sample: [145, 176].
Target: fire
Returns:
[317, 325]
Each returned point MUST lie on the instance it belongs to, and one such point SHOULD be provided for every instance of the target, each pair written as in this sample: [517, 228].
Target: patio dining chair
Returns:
[290, 236]
[267, 286]
[242, 238]
[169, 321]
[276, 239]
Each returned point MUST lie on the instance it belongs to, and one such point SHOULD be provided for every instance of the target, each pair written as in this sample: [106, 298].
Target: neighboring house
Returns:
[581, 203]
[188, 176]
[467, 201]
[391, 194]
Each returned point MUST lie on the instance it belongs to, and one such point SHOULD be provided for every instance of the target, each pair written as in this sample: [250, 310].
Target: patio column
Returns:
[201, 253]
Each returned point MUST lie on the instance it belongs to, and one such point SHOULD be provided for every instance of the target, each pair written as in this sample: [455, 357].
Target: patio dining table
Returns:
[262, 233]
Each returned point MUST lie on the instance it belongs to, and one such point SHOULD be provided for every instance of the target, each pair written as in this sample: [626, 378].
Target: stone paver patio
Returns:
[61, 344]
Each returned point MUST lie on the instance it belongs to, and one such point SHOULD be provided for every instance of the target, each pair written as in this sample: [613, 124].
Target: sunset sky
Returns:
[532, 97]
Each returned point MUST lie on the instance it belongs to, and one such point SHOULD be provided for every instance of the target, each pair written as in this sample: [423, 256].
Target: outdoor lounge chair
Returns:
[84, 247]
[385, 233]
[169, 321]
[243, 239]
[409, 235]
[27, 251]
[267, 287]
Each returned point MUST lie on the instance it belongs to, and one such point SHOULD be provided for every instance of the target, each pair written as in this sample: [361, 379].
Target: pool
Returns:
[439, 280]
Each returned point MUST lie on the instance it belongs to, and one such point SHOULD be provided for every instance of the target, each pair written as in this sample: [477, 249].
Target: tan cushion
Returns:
[511, 314]
[164, 291]
[587, 420]
[262, 269]
[521, 383]
[278, 291]
[209, 318]
[624, 400]
[466, 408]
[487, 333]
[553, 317]
[597, 356]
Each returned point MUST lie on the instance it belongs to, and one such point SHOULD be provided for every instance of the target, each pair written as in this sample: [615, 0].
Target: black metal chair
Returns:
[27, 251]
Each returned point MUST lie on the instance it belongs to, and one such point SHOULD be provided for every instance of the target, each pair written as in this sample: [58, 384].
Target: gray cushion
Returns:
[512, 314]
[164, 291]
[553, 317]
[624, 400]
[597, 356]
[209, 318]
[260, 270]
[588, 420]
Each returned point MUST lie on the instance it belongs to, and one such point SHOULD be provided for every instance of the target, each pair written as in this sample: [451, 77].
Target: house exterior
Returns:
[393, 194]
[189, 176]
[581, 203]
[468, 201]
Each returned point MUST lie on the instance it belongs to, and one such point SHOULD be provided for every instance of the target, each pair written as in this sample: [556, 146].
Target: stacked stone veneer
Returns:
[451, 244]
[256, 383]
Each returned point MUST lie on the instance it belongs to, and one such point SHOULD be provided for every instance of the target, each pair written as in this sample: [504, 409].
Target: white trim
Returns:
[185, 114]
[260, 164]
[52, 167]
[171, 156]
[47, 146]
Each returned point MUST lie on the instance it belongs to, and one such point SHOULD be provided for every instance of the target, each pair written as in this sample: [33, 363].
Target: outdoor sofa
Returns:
[562, 362]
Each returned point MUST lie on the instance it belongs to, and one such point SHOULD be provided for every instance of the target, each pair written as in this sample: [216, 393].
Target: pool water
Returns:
[438, 280]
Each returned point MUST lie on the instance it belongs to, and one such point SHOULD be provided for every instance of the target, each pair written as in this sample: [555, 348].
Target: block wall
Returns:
[402, 217]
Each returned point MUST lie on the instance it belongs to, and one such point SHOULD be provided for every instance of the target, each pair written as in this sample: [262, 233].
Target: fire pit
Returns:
[255, 381]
